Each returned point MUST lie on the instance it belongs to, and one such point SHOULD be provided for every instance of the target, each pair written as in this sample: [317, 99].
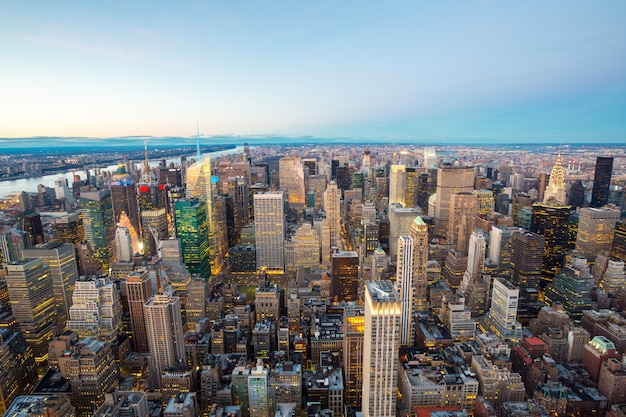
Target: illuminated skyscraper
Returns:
[138, 291]
[98, 224]
[463, 210]
[571, 287]
[555, 192]
[527, 251]
[18, 374]
[383, 310]
[366, 166]
[353, 341]
[400, 221]
[404, 286]
[618, 247]
[450, 180]
[500, 245]
[345, 276]
[595, 230]
[291, 178]
[201, 184]
[63, 271]
[601, 181]
[269, 231]
[552, 222]
[192, 230]
[419, 234]
[124, 200]
[164, 327]
[32, 301]
[332, 207]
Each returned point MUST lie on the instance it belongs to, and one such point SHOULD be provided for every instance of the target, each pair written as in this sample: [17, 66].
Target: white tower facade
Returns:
[164, 327]
[383, 310]
[397, 185]
[123, 244]
[404, 284]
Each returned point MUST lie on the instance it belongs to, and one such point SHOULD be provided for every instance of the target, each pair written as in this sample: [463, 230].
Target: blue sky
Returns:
[490, 71]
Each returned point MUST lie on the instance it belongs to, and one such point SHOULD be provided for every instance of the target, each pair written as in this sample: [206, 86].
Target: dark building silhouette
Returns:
[124, 199]
[618, 248]
[601, 181]
[552, 222]
[32, 225]
[577, 194]
[527, 251]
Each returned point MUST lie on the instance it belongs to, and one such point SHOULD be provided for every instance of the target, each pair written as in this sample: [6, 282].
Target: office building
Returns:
[618, 247]
[419, 234]
[502, 317]
[450, 180]
[98, 223]
[164, 328]
[306, 247]
[353, 344]
[383, 310]
[202, 185]
[63, 271]
[462, 217]
[269, 231]
[91, 371]
[138, 292]
[345, 276]
[397, 185]
[404, 286]
[572, 287]
[527, 251]
[258, 391]
[400, 221]
[96, 309]
[598, 350]
[34, 405]
[192, 231]
[124, 202]
[551, 222]
[332, 207]
[67, 228]
[18, 373]
[123, 245]
[500, 245]
[31, 292]
[291, 179]
[601, 182]
[596, 227]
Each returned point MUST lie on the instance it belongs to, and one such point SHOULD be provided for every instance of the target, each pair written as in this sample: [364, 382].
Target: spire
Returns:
[556, 185]
[146, 163]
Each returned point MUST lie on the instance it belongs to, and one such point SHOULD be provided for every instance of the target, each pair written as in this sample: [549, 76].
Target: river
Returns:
[30, 184]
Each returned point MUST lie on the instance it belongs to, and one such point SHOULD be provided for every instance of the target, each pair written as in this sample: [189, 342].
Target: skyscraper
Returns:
[463, 210]
[306, 247]
[32, 302]
[383, 310]
[164, 327]
[63, 271]
[601, 181]
[552, 222]
[595, 230]
[291, 178]
[345, 276]
[258, 387]
[192, 230]
[332, 207]
[353, 343]
[502, 318]
[138, 291]
[419, 234]
[450, 180]
[269, 231]
[397, 184]
[404, 286]
[123, 244]
[555, 192]
[98, 224]
[500, 245]
[124, 200]
[527, 251]
[201, 184]
[96, 309]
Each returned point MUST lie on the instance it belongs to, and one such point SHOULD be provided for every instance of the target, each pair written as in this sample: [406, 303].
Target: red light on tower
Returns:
[161, 187]
[144, 188]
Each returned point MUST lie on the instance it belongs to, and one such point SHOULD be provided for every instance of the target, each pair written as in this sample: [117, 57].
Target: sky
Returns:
[449, 71]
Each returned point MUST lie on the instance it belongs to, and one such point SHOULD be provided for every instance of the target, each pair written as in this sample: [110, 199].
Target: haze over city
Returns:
[463, 72]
